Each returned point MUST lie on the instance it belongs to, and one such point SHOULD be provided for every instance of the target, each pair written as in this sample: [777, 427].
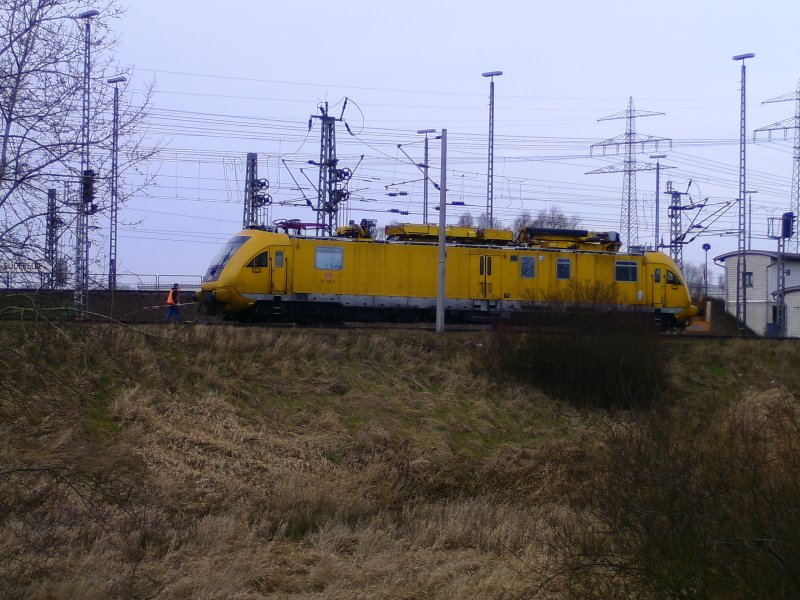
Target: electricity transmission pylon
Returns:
[793, 123]
[629, 217]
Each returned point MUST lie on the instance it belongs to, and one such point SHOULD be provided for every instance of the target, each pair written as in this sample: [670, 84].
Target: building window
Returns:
[626, 270]
[563, 268]
[329, 259]
[748, 279]
[527, 267]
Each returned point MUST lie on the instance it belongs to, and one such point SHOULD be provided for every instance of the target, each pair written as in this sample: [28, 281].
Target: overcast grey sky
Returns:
[244, 76]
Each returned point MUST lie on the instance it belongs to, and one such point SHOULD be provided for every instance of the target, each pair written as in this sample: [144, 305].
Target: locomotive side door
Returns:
[278, 267]
[657, 283]
[484, 267]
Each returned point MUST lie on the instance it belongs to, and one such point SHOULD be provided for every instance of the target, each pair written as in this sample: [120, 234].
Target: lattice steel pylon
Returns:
[629, 214]
[332, 192]
[256, 199]
[81, 291]
[676, 235]
[793, 123]
[51, 237]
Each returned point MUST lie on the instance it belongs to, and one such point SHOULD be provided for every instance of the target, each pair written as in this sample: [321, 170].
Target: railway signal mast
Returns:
[84, 203]
[781, 229]
[629, 221]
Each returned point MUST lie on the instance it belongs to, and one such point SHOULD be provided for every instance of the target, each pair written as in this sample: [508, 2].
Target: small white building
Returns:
[762, 284]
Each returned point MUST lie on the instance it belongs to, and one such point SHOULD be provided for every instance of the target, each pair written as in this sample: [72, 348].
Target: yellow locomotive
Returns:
[272, 274]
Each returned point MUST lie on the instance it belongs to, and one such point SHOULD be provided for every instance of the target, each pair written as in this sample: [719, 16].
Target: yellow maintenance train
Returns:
[275, 274]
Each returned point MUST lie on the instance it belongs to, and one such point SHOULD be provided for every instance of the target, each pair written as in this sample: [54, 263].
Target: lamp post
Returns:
[490, 171]
[706, 248]
[658, 157]
[425, 171]
[112, 251]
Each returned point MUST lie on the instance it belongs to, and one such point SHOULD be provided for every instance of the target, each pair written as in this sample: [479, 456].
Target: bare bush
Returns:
[690, 505]
[577, 346]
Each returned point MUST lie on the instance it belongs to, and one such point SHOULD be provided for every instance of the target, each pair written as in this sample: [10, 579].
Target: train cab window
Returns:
[279, 259]
[329, 259]
[672, 279]
[657, 276]
[259, 261]
[223, 256]
[626, 270]
[563, 268]
[527, 267]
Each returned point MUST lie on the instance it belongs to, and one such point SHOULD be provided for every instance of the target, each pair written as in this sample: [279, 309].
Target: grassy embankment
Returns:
[248, 463]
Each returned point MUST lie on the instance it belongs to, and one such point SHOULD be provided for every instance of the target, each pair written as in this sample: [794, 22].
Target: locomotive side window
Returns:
[563, 268]
[527, 267]
[329, 259]
[488, 265]
[258, 261]
[657, 276]
[626, 270]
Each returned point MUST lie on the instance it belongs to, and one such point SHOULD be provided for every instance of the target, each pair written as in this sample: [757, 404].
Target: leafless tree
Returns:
[552, 218]
[41, 90]
[694, 275]
[485, 222]
[466, 220]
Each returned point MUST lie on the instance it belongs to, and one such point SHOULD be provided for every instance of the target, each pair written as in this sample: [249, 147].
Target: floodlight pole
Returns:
[425, 171]
[490, 170]
[741, 267]
[440, 297]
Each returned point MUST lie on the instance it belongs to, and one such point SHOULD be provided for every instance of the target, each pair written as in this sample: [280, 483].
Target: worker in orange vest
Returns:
[172, 304]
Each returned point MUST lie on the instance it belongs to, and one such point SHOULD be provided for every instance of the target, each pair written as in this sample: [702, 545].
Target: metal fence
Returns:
[125, 281]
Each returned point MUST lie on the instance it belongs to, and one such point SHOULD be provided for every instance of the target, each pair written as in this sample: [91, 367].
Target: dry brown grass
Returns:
[214, 462]
[251, 463]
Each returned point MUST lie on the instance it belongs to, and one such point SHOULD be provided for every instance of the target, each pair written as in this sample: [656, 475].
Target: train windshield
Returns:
[223, 256]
